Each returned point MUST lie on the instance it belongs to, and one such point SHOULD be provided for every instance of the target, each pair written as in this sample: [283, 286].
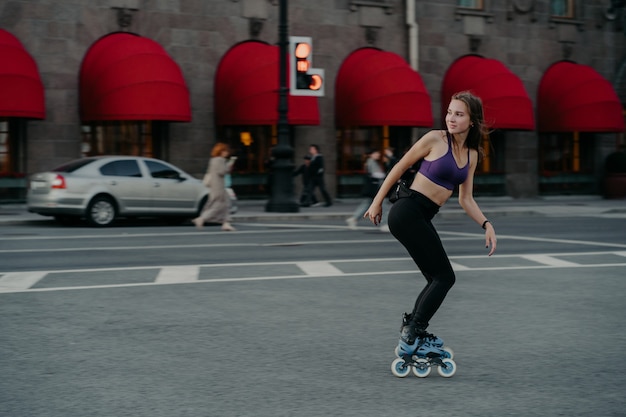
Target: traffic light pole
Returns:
[282, 199]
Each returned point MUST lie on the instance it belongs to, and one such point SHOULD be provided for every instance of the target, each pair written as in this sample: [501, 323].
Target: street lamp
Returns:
[282, 197]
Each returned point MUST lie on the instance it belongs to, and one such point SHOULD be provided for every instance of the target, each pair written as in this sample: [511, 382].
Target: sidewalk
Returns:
[585, 206]
[254, 210]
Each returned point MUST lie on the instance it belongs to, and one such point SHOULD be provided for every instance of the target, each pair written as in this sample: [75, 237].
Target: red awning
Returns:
[21, 89]
[246, 89]
[505, 102]
[378, 88]
[128, 77]
[576, 98]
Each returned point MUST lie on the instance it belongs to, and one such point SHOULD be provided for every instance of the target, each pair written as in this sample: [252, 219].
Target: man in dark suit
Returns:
[306, 198]
[317, 174]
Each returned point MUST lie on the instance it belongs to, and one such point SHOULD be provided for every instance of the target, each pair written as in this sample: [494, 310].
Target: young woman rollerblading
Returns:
[448, 159]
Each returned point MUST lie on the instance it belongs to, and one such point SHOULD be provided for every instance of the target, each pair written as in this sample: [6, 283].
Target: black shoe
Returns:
[406, 319]
[328, 204]
[411, 331]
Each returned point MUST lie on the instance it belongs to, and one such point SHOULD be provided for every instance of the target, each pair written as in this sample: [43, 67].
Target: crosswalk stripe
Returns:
[25, 281]
[177, 274]
[16, 281]
[459, 267]
[549, 260]
[319, 269]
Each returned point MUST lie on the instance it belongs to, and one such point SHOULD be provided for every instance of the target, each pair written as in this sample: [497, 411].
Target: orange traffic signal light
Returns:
[316, 82]
[302, 53]
[304, 80]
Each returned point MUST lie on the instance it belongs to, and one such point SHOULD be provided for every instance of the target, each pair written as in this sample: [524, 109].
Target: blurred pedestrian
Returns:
[317, 174]
[217, 208]
[306, 197]
[268, 164]
[389, 158]
[372, 180]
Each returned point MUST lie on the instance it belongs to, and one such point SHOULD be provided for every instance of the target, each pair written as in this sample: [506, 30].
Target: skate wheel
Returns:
[448, 370]
[421, 369]
[397, 352]
[399, 368]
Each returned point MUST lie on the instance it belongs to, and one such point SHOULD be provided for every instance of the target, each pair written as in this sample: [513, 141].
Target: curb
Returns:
[27, 218]
[254, 210]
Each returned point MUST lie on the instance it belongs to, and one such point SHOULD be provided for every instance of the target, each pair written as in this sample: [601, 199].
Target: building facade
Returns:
[170, 78]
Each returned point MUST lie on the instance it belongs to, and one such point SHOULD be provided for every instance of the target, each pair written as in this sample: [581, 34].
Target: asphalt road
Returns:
[301, 319]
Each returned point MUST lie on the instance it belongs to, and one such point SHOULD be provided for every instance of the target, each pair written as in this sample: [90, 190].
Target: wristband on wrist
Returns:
[485, 224]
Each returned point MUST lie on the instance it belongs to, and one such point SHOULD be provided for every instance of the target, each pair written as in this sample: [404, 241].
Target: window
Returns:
[562, 8]
[74, 165]
[119, 138]
[253, 146]
[480, 8]
[490, 171]
[159, 170]
[125, 168]
[5, 149]
[352, 148]
[471, 4]
[13, 147]
[566, 163]
[492, 161]
[566, 153]
[12, 159]
[353, 145]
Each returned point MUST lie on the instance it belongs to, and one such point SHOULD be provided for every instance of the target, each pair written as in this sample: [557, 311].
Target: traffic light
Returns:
[303, 79]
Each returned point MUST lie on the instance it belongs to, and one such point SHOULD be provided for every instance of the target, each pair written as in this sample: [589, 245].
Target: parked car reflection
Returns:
[104, 188]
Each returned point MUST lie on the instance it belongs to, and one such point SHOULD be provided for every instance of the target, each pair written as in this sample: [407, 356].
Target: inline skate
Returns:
[418, 351]
[427, 337]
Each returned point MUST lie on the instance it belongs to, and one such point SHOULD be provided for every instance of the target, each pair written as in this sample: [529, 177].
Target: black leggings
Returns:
[410, 223]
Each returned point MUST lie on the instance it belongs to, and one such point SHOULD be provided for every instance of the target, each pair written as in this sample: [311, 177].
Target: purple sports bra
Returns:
[444, 171]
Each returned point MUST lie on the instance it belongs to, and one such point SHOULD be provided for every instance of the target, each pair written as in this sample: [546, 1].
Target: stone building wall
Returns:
[197, 33]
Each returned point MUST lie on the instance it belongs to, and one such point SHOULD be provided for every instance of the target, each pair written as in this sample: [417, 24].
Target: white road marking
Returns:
[177, 274]
[128, 248]
[20, 281]
[319, 268]
[446, 236]
[292, 228]
[549, 260]
[290, 277]
[459, 267]
[541, 239]
[15, 282]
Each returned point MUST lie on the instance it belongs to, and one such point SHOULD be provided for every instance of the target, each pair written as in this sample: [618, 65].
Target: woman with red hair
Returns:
[217, 208]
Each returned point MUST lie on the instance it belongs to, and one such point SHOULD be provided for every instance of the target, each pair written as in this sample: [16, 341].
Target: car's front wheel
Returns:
[101, 211]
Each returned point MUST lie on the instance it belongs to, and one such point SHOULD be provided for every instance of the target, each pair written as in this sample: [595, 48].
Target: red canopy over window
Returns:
[128, 77]
[574, 97]
[246, 89]
[505, 102]
[378, 88]
[21, 89]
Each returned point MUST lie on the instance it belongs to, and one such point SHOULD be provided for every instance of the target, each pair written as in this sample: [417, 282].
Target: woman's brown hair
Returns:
[478, 128]
[219, 148]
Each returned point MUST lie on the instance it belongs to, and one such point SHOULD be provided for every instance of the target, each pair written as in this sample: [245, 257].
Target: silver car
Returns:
[101, 189]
